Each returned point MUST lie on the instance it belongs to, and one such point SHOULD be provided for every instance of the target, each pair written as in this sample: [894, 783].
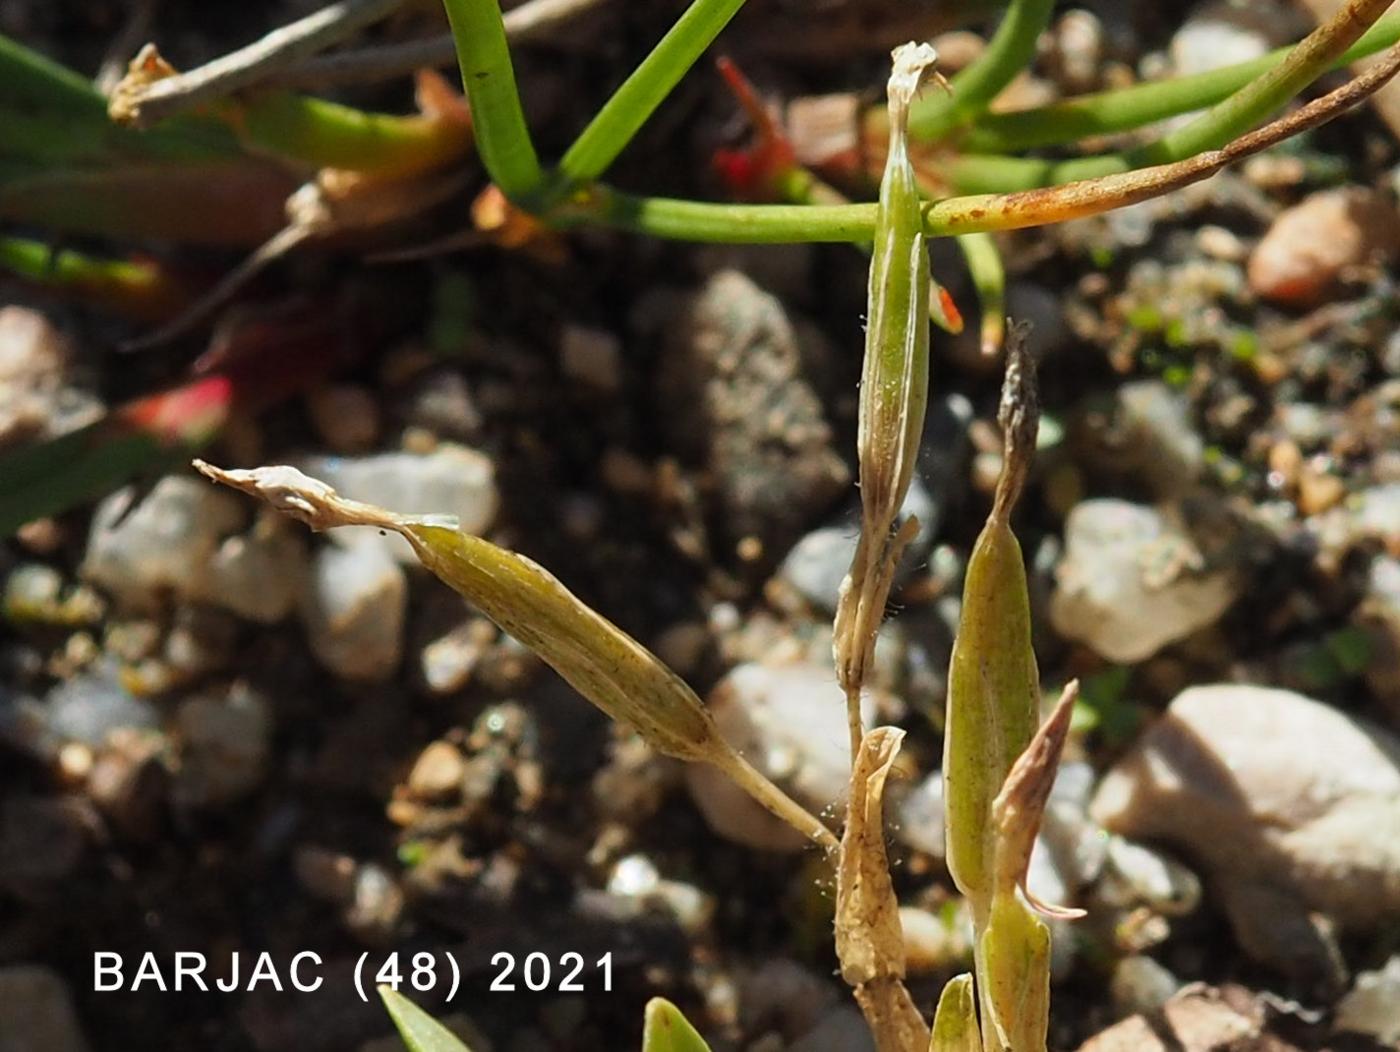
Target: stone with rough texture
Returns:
[1373, 1004]
[789, 721]
[187, 540]
[735, 401]
[1311, 246]
[224, 745]
[1131, 582]
[1290, 808]
[451, 480]
[353, 607]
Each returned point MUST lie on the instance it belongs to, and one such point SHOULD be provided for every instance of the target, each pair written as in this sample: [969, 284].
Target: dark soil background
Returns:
[330, 848]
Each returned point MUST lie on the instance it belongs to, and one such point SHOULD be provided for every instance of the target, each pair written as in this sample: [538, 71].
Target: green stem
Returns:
[988, 274]
[1255, 102]
[327, 134]
[1010, 50]
[622, 115]
[1125, 109]
[502, 138]
[681, 220]
[1307, 60]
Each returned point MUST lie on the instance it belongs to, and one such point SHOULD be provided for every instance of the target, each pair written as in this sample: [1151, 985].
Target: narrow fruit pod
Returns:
[894, 380]
[993, 684]
[894, 387]
[603, 663]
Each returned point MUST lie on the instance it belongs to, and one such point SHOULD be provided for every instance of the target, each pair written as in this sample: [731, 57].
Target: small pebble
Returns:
[449, 661]
[224, 745]
[1140, 984]
[438, 772]
[449, 480]
[1291, 807]
[1212, 40]
[353, 609]
[346, 416]
[1373, 1005]
[789, 721]
[592, 357]
[1112, 593]
[1311, 246]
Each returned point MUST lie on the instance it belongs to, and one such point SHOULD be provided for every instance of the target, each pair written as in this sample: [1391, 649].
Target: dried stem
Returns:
[530, 21]
[246, 66]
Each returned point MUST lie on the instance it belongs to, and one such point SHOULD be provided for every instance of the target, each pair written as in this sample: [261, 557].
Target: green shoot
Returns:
[667, 1030]
[1010, 50]
[502, 138]
[893, 390]
[1125, 109]
[624, 114]
[420, 1031]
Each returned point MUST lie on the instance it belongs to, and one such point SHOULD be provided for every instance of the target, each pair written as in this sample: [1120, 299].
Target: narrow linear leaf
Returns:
[667, 1030]
[420, 1031]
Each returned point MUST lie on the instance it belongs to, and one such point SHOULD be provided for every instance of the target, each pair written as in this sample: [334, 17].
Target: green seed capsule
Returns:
[993, 684]
[894, 381]
[894, 388]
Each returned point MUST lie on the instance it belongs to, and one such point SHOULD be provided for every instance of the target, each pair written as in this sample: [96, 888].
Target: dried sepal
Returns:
[894, 384]
[1019, 808]
[603, 663]
[955, 1022]
[869, 936]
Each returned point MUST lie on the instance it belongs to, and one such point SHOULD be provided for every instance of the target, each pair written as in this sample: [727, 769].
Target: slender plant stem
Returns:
[502, 138]
[326, 134]
[756, 784]
[988, 273]
[1307, 61]
[776, 224]
[1008, 52]
[683, 220]
[1124, 109]
[622, 115]
[974, 173]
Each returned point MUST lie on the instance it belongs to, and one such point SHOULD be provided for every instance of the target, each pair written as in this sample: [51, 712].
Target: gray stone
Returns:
[789, 721]
[353, 608]
[1291, 808]
[224, 744]
[734, 400]
[451, 480]
[1131, 581]
[91, 705]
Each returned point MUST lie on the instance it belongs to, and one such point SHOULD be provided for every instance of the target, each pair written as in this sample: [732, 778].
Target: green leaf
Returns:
[420, 1031]
[1015, 971]
[667, 1030]
[955, 1023]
